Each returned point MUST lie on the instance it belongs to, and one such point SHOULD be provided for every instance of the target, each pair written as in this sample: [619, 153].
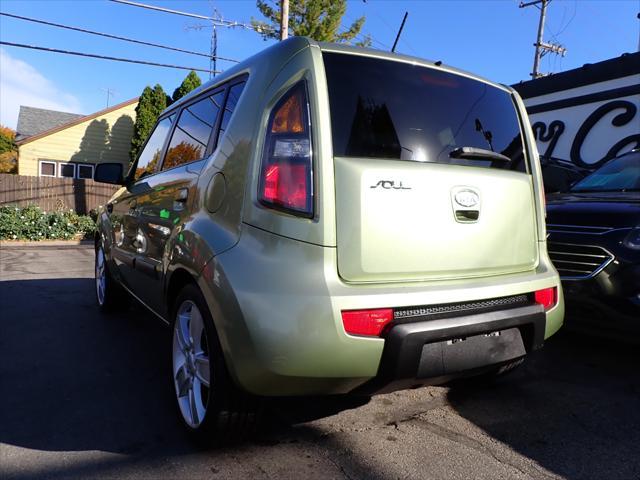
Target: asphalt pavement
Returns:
[86, 395]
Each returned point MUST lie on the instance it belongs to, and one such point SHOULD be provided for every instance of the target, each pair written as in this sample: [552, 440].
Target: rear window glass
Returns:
[392, 110]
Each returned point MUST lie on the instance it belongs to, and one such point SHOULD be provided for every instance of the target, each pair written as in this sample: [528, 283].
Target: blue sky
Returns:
[491, 38]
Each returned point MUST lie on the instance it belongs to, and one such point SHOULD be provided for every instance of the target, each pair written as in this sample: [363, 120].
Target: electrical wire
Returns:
[391, 28]
[220, 22]
[108, 35]
[575, 9]
[104, 57]
[363, 36]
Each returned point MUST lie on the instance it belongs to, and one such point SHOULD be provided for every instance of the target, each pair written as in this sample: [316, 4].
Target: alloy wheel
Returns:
[191, 375]
[101, 276]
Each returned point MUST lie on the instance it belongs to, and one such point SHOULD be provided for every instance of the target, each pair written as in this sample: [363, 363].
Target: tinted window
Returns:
[387, 109]
[67, 170]
[150, 156]
[191, 135]
[232, 100]
[618, 175]
[85, 171]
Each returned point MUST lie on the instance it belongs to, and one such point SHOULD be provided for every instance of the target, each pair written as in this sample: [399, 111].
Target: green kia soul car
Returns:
[324, 219]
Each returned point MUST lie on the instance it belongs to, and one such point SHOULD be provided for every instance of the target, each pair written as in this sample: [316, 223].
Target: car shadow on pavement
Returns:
[88, 395]
[77, 379]
[573, 408]
[93, 389]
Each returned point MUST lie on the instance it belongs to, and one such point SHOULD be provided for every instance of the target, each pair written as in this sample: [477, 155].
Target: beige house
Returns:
[73, 148]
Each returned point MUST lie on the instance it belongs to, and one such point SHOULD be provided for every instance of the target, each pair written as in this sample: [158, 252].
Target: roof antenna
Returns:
[406, 14]
[110, 93]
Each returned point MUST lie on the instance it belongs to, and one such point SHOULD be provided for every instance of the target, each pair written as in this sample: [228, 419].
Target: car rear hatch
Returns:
[432, 181]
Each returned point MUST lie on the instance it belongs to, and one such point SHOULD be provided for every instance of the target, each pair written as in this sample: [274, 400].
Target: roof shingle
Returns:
[32, 121]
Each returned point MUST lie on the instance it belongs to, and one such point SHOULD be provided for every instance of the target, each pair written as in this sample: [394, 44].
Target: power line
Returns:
[219, 21]
[108, 35]
[392, 29]
[103, 57]
[363, 37]
[161, 9]
[216, 21]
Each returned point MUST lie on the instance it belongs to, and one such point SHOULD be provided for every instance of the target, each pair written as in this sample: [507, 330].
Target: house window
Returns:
[85, 171]
[67, 170]
[47, 169]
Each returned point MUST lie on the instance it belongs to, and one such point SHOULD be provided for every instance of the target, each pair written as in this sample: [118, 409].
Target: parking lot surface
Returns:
[86, 395]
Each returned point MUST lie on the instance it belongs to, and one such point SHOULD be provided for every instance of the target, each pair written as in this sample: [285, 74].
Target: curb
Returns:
[9, 245]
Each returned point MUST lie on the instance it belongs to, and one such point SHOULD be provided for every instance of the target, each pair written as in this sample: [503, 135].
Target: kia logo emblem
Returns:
[466, 198]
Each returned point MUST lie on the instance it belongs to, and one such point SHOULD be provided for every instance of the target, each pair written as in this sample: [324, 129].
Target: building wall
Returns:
[106, 138]
[588, 130]
[587, 115]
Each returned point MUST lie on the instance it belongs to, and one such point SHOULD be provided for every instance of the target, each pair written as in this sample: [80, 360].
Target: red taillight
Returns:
[547, 297]
[286, 173]
[286, 185]
[366, 322]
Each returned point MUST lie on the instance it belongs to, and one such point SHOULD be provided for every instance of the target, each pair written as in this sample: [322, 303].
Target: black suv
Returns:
[594, 242]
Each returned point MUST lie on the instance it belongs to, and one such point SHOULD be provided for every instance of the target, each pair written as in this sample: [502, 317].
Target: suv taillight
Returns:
[286, 181]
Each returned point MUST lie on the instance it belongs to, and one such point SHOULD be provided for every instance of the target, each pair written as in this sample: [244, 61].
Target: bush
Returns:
[31, 223]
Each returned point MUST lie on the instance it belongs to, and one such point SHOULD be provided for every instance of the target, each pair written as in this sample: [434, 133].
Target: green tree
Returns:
[317, 19]
[191, 82]
[150, 105]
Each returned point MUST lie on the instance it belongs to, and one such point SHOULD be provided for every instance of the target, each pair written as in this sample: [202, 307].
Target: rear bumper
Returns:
[435, 351]
[281, 327]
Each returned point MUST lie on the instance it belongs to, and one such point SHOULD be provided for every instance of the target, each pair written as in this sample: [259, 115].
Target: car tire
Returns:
[110, 296]
[212, 408]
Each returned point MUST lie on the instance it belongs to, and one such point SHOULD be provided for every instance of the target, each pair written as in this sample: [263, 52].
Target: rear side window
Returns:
[392, 110]
[232, 100]
[150, 155]
[191, 135]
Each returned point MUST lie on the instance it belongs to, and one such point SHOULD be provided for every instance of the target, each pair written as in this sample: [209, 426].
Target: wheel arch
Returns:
[179, 278]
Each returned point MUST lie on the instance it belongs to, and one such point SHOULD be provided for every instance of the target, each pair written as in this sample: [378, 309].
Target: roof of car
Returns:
[293, 45]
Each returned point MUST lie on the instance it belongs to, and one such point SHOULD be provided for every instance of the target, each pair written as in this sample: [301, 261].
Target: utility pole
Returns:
[284, 19]
[542, 48]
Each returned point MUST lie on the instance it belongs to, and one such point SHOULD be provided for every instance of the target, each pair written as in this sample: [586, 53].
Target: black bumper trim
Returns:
[401, 357]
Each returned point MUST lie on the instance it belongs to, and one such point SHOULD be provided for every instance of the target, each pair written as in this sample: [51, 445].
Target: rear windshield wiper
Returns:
[472, 153]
